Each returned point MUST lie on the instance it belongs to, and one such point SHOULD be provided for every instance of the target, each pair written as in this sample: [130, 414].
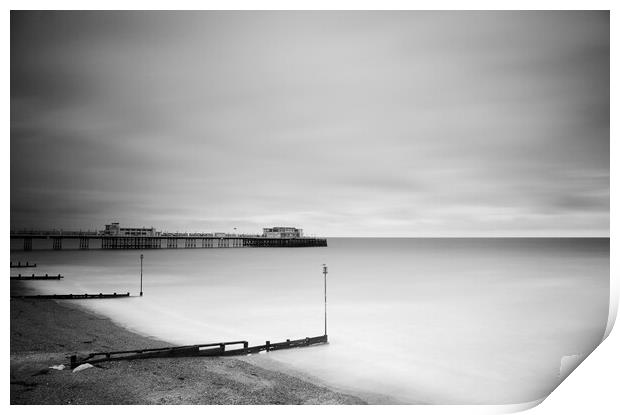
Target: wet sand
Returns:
[46, 332]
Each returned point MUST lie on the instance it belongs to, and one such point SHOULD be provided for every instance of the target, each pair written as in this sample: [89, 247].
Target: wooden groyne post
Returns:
[141, 258]
[325, 294]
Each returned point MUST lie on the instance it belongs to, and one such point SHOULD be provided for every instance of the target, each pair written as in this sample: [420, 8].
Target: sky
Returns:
[387, 124]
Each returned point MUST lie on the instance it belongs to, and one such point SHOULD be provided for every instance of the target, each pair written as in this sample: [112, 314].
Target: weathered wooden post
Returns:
[141, 258]
[73, 361]
[267, 345]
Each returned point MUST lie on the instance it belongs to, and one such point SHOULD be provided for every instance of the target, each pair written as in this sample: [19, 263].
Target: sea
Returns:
[410, 320]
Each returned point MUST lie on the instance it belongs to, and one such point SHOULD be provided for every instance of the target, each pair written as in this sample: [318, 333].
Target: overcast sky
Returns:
[342, 123]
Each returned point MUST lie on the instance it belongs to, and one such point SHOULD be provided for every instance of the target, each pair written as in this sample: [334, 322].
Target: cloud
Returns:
[344, 123]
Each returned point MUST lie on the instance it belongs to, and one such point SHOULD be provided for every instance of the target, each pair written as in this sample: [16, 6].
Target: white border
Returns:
[592, 388]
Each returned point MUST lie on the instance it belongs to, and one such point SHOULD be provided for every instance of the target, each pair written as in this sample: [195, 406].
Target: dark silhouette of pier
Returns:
[98, 240]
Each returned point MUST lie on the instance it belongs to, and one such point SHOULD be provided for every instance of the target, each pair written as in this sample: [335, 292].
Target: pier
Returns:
[98, 240]
[210, 349]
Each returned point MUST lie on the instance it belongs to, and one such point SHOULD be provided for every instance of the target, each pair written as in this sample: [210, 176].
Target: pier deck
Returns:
[93, 240]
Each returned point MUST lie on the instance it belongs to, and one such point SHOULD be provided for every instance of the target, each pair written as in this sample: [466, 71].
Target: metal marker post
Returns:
[141, 258]
[325, 292]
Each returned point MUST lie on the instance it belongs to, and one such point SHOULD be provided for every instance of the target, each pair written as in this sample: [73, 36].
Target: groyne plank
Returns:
[26, 265]
[36, 277]
[204, 350]
[71, 296]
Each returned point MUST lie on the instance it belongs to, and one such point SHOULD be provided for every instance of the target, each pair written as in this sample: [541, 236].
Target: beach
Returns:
[45, 333]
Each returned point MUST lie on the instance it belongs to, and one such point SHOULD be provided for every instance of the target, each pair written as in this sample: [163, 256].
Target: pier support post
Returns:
[84, 243]
[27, 245]
[57, 244]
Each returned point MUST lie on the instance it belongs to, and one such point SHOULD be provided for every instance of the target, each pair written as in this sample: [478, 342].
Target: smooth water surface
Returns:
[419, 320]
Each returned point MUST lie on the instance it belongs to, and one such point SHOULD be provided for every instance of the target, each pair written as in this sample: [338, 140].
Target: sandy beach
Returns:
[46, 332]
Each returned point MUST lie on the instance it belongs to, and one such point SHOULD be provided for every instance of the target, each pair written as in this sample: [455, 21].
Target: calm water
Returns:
[419, 320]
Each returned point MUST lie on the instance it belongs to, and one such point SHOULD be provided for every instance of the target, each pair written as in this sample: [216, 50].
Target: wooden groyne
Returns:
[20, 265]
[71, 296]
[211, 349]
[36, 277]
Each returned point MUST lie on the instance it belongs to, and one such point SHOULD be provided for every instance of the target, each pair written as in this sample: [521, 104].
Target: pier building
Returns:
[114, 229]
[283, 232]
